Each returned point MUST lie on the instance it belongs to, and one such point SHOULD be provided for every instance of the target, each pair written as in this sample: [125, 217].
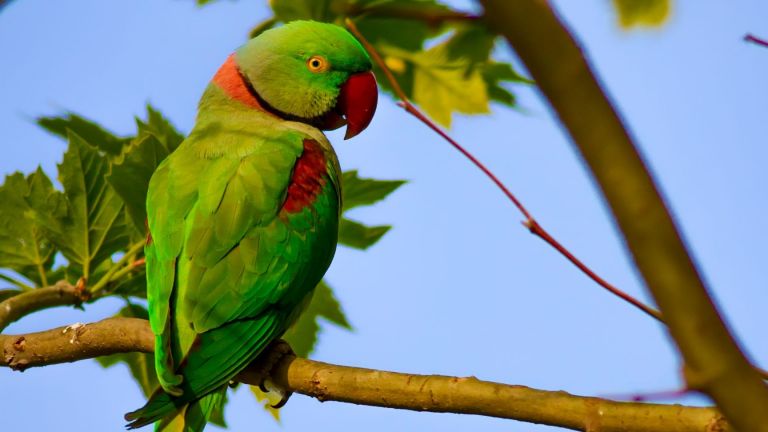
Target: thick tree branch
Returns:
[328, 382]
[714, 362]
[61, 294]
[76, 342]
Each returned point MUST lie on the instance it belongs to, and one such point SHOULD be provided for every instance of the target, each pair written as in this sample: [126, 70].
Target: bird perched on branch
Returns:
[243, 216]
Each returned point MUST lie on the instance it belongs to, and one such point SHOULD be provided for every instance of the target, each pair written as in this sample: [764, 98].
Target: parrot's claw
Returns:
[263, 386]
[259, 371]
[268, 386]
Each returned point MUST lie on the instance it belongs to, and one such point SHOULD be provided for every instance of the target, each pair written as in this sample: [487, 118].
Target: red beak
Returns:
[357, 101]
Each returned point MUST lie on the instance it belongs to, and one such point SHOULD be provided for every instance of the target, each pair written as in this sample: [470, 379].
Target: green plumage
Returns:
[228, 267]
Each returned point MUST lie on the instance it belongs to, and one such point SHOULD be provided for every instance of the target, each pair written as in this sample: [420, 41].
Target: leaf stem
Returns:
[18, 283]
[531, 223]
[125, 270]
[120, 269]
[39, 265]
[43, 277]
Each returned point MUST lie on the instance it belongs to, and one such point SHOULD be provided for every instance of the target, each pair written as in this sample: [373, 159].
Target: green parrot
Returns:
[243, 217]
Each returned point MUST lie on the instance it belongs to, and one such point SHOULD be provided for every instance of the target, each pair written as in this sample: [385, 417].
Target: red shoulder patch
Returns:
[232, 82]
[308, 178]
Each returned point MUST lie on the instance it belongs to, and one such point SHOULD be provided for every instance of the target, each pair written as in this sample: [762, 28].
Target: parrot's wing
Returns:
[233, 266]
[170, 197]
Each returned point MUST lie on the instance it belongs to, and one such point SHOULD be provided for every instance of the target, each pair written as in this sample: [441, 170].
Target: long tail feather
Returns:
[220, 354]
[188, 418]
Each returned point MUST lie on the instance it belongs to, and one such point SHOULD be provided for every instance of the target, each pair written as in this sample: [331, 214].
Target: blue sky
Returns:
[458, 287]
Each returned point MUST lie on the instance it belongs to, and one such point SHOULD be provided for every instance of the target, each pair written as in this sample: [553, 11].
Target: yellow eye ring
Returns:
[317, 64]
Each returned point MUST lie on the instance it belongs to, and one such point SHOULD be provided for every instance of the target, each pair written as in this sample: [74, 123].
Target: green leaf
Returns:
[60, 273]
[23, 245]
[302, 336]
[474, 44]
[471, 43]
[90, 131]
[141, 365]
[635, 13]
[132, 285]
[316, 10]
[410, 34]
[415, 21]
[162, 128]
[217, 414]
[357, 191]
[495, 74]
[443, 85]
[131, 171]
[92, 228]
[356, 235]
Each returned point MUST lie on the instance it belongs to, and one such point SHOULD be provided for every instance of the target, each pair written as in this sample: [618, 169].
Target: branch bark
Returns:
[714, 363]
[76, 342]
[327, 382]
[61, 294]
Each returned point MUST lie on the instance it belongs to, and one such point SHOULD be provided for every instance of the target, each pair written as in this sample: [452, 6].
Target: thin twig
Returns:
[18, 283]
[119, 269]
[529, 222]
[756, 40]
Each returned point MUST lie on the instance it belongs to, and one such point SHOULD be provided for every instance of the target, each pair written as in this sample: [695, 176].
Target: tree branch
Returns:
[76, 342]
[714, 363]
[61, 294]
[327, 382]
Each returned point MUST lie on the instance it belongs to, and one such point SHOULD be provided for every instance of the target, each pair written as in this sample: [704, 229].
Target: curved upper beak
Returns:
[357, 101]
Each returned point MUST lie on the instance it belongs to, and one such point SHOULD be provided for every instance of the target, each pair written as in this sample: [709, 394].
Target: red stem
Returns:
[529, 222]
[538, 230]
[756, 40]
[405, 104]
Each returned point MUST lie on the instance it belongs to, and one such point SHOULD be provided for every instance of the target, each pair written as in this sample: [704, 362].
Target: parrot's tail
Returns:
[172, 415]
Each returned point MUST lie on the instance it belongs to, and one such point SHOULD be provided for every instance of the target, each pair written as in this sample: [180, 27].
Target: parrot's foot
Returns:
[270, 388]
[259, 371]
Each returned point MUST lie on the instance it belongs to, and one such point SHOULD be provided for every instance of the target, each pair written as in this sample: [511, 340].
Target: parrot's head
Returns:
[312, 72]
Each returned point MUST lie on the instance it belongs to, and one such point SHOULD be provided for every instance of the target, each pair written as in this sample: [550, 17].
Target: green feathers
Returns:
[243, 218]
[276, 61]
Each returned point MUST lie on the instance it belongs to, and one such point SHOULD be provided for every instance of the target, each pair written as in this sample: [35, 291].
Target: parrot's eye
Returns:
[317, 64]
